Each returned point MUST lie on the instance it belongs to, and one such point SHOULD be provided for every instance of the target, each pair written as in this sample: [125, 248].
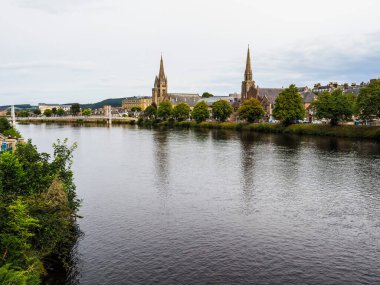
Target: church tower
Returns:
[160, 89]
[248, 90]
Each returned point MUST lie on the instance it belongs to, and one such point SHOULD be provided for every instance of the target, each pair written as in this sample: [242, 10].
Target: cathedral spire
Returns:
[161, 74]
[248, 69]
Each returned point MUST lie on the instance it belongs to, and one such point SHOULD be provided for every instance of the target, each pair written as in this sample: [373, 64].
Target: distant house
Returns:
[190, 98]
[307, 98]
[8, 144]
[136, 102]
[43, 106]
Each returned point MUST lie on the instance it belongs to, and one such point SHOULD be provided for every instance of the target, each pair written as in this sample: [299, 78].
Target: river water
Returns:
[220, 207]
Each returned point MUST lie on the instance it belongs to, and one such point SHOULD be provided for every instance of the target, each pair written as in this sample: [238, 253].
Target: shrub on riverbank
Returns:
[38, 206]
[6, 128]
[348, 131]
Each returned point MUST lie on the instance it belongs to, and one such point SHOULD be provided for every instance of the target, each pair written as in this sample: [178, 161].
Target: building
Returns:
[307, 99]
[345, 87]
[136, 102]
[42, 107]
[8, 143]
[190, 98]
[160, 91]
[249, 90]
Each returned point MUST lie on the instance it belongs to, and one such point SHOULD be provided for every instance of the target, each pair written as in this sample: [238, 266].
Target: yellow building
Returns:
[137, 102]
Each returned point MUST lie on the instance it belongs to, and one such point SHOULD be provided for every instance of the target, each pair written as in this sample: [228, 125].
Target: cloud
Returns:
[53, 6]
[73, 66]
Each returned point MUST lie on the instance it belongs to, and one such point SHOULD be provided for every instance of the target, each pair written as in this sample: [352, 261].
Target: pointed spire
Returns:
[248, 69]
[161, 74]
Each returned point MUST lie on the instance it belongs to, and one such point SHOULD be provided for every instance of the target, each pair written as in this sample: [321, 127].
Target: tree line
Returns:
[335, 106]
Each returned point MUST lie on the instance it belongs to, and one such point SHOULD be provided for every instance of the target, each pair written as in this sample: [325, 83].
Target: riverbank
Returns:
[346, 131]
[101, 120]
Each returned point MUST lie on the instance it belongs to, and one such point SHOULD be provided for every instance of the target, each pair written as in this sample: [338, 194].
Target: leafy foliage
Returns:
[75, 109]
[200, 112]
[181, 111]
[4, 124]
[221, 110]
[38, 206]
[251, 110]
[60, 112]
[23, 113]
[87, 112]
[165, 110]
[368, 101]
[150, 112]
[136, 109]
[48, 113]
[336, 106]
[37, 112]
[207, 95]
[288, 106]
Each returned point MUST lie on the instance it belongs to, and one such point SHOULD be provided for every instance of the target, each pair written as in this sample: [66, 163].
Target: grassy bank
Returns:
[78, 121]
[347, 131]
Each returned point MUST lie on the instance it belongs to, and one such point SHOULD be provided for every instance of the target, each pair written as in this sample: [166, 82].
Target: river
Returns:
[221, 207]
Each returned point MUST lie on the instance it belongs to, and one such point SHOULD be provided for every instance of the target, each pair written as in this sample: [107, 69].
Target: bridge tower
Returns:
[13, 116]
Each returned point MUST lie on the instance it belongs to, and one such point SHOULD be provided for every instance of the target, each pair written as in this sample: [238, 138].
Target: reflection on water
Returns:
[161, 160]
[221, 207]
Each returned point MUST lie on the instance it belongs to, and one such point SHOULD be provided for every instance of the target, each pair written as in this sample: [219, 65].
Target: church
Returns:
[249, 90]
[160, 91]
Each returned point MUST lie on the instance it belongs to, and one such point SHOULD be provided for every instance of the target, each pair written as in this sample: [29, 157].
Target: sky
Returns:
[64, 51]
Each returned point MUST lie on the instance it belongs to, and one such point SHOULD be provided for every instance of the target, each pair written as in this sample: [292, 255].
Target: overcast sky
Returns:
[88, 50]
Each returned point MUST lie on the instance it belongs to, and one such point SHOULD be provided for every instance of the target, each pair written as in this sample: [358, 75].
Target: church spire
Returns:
[248, 69]
[161, 74]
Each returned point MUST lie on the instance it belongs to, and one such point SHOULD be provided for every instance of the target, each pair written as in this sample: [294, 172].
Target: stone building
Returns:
[42, 107]
[249, 90]
[136, 102]
[160, 91]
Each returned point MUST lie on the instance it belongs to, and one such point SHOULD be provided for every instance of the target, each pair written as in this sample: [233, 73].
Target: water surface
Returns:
[217, 207]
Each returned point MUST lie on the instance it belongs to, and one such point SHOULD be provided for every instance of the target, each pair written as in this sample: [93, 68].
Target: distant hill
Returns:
[17, 107]
[114, 102]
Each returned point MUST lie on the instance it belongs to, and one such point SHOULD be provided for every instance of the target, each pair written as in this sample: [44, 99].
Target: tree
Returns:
[150, 112]
[60, 112]
[336, 106]
[12, 175]
[38, 206]
[75, 109]
[251, 110]
[48, 113]
[288, 106]
[87, 112]
[54, 110]
[368, 101]
[207, 95]
[136, 109]
[200, 112]
[23, 113]
[221, 110]
[181, 111]
[37, 112]
[4, 124]
[165, 110]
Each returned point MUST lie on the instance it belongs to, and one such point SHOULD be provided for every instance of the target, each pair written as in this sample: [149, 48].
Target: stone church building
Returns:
[160, 91]
[249, 90]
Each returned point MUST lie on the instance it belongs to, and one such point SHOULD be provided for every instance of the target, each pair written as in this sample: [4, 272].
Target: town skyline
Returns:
[97, 50]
